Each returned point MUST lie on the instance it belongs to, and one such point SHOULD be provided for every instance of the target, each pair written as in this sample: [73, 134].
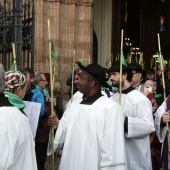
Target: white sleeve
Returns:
[59, 136]
[113, 146]
[160, 131]
[141, 124]
[6, 149]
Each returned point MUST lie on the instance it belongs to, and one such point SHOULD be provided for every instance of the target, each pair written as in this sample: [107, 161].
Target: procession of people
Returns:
[125, 130]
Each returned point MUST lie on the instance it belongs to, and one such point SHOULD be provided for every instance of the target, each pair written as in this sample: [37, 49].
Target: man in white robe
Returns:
[162, 117]
[16, 140]
[78, 96]
[91, 129]
[138, 123]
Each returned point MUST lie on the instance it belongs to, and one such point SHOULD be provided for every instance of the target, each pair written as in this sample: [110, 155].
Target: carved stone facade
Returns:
[71, 29]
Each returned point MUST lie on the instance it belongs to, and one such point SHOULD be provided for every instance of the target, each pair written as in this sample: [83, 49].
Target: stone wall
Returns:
[71, 28]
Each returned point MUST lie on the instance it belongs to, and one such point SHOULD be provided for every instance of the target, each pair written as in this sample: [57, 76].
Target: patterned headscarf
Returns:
[14, 79]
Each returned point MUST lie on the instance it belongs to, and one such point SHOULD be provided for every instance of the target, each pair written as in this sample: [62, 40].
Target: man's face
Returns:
[77, 68]
[150, 76]
[115, 79]
[137, 76]
[43, 82]
[83, 83]
[29, 80]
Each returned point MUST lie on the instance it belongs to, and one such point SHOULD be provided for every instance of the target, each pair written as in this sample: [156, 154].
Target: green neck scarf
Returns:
[38, 87]
[15, 100]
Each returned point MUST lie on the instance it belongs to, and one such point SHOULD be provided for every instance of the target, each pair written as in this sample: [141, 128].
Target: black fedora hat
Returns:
[116, 67]
[96, 71]
[137, 67]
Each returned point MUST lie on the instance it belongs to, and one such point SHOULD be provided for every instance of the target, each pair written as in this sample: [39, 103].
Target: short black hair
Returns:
[27, 70]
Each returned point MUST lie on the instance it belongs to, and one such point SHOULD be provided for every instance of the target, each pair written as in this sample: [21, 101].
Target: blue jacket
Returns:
[38, 97]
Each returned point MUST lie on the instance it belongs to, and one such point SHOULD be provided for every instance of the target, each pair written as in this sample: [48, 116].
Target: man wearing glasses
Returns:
[138, 75]
[42, 134]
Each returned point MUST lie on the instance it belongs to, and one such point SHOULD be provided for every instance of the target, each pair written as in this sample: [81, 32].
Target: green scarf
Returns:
[15, 100]
[38, 87]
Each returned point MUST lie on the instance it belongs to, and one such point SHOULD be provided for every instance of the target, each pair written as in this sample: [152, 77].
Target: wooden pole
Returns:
[72, 83]
[163, 83]
[14, 56]
[89, 59]
[120, 84]
[52, 97]
[83, 58]
[162, 72]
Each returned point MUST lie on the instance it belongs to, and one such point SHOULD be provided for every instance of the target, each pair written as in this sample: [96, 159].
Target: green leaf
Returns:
[123, 58]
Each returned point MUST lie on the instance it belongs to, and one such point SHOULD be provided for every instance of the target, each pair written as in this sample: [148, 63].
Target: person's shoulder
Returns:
[32, 87]
[36, 91]
[135, 92]
[107, 102]
[11, 113]
[137, 96]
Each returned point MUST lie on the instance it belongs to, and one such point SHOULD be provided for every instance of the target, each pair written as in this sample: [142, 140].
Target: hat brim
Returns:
[116, 68]
[140, 70]
[103, 83]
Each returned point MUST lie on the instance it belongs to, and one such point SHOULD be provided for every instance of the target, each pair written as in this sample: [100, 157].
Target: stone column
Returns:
[71, 30]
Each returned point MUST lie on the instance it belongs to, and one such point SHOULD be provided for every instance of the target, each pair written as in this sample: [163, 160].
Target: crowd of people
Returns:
[103, 127]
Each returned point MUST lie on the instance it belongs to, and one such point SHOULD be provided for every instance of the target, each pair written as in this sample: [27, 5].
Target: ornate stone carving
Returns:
[89, 2]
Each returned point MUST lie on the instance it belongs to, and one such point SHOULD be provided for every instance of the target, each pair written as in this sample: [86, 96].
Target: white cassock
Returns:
[78, 96]
[141, 88]
[160, 131]
[16, 141]
[138, 109]
[93, 136]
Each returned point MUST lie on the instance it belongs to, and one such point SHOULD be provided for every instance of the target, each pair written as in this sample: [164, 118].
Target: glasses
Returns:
[44, 80]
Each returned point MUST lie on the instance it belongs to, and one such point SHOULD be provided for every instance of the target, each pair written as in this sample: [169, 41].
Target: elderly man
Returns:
[91, 129]
[16, 141]
[138, 123]
[41, 139]
[138, 75]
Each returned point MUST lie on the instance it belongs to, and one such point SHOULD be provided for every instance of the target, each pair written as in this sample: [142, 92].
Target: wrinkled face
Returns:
[43, 82]
[115, 79]
[137, 76]
[84, 82]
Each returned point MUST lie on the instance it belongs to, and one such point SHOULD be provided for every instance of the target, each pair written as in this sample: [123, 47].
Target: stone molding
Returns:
[76, 2]
[89, 3]
[56, 1]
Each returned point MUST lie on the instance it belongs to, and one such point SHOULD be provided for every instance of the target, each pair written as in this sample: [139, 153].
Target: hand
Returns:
[166, 117]
[53, 121]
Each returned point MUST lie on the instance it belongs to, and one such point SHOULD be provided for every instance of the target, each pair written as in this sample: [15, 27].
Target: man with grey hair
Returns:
[16, 142]
[42, 135]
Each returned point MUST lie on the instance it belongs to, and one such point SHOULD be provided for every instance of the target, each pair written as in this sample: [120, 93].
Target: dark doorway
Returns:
[95, 48]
